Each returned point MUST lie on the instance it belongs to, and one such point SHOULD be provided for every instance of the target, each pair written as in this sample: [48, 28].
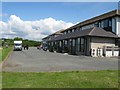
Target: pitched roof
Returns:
[86, 22]
[56, 33]
[96, 18]
[95, 31]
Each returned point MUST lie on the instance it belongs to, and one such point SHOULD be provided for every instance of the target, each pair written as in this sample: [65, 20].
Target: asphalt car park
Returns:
[35, 60]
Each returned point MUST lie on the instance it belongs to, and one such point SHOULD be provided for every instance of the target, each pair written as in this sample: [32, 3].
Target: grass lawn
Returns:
[75, 79]
[0, 55]
[4, 52]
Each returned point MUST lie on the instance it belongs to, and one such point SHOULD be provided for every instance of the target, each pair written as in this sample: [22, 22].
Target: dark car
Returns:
[45, 48]
[26, 47]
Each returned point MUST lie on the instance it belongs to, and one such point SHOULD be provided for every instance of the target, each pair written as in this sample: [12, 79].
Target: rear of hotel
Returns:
[98, 36]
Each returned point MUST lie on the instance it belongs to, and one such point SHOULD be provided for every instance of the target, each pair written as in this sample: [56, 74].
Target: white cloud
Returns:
[34, 30]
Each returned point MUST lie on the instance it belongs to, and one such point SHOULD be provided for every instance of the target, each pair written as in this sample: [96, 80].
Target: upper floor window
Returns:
[97, 24]
[88, 26]
[68, 31]
[114, 25]
[110, 22]
[65, 32]
[77, 29]
[80, 28]
[102, 24]
[106, 24]
[73, 30]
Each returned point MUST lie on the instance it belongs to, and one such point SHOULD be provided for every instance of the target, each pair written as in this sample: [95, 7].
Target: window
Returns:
[78, 44]
[102, 24]
[80, 29]
[105, 23]
[51, 43]
[82, 45]
[110, 22]
[65, 32]
[73, 42]
[55, 43]
[68, 31]
[114, 25]
[82, 40]
[97, 24]
[65, 42]
[87, 26]
[60, 43]
[73, 30]
[77, 29]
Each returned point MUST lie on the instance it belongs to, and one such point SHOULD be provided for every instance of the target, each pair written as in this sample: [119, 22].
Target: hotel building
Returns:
[87, 36]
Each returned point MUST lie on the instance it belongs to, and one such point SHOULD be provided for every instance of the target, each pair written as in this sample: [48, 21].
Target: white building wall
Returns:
[118, 26]
[100, 42]
[114, 24]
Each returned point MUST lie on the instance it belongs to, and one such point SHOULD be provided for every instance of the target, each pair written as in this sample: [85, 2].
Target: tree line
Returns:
[30, 43]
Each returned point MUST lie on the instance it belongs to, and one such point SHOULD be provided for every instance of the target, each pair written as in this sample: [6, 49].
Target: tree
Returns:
[18, 38]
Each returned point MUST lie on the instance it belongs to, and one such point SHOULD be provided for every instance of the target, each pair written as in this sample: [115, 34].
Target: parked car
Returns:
[26, 47]
[38, 47]
[45, 48]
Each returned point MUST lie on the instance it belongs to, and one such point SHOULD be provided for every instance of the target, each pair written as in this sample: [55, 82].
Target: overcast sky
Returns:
[36, 20]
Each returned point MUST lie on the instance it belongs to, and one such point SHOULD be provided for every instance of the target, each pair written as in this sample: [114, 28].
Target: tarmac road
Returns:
[34, 60]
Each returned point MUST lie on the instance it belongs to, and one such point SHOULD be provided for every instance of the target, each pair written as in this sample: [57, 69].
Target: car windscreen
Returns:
[17, 44]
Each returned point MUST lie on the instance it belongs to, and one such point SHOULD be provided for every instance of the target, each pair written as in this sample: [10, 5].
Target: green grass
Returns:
[0, 55]
[4, 52]
[78, 79]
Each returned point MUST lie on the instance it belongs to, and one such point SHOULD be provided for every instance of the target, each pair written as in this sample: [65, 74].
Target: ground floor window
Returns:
[51, 43]
[82, 45]
[73, 42]
[78, 44]
[60, 43]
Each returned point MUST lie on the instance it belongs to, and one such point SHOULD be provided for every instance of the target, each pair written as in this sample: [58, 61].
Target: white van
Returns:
[18, 45]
